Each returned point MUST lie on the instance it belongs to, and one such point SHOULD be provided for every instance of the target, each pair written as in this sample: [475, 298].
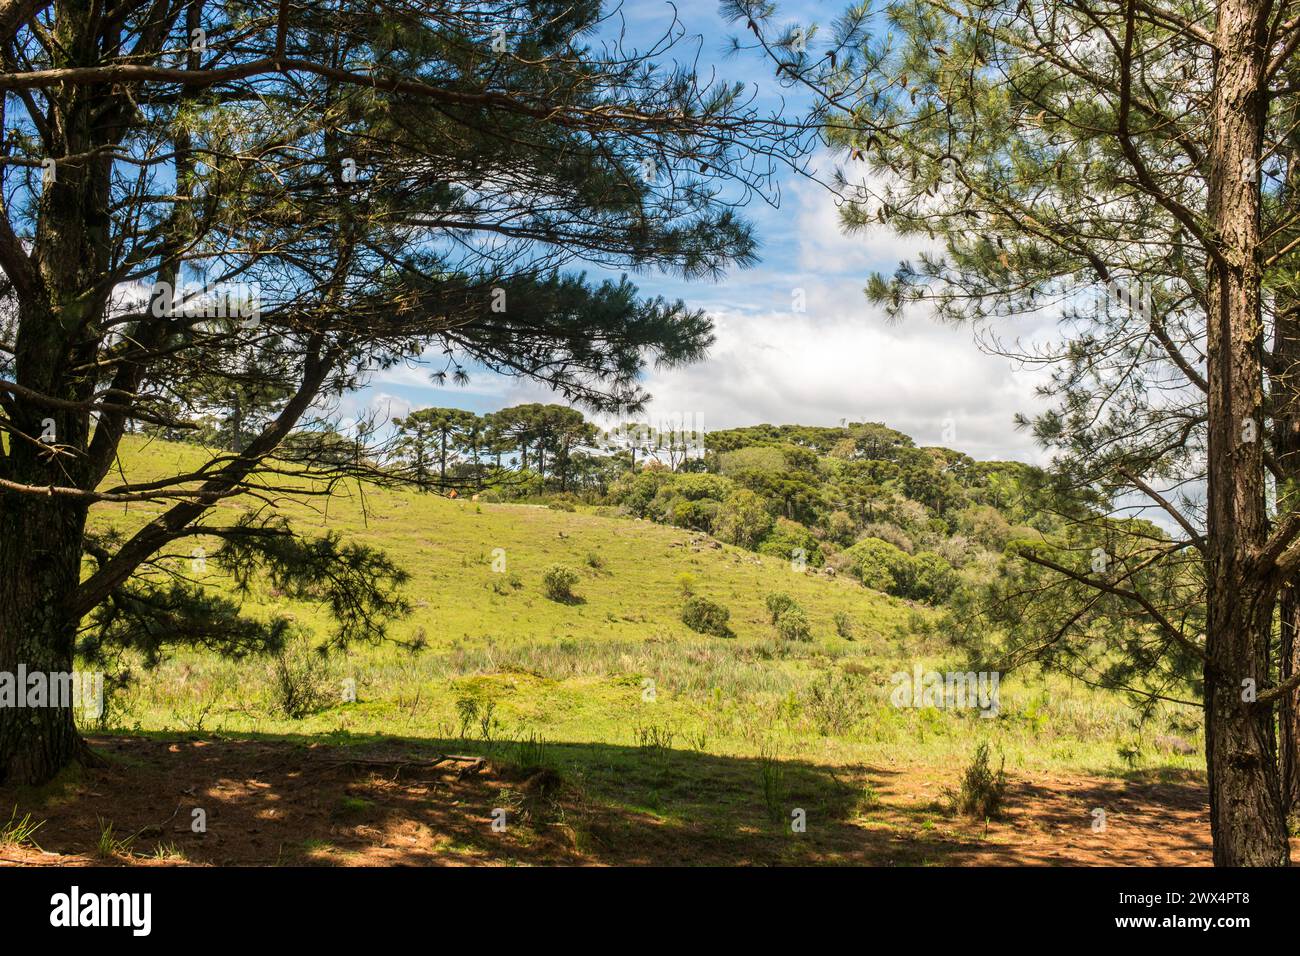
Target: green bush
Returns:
[636, 492]
[932, 579]
[793, 624]
[695, 515]
[698, 487]
[557, 583]
[786, 537]
[878, 564]
[833, 702]
[778, 602]
[844, 625]
[705, 616]
[841, 528]
[885, 567]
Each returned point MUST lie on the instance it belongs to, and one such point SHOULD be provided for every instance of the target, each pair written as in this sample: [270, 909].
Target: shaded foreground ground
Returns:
[283, 802]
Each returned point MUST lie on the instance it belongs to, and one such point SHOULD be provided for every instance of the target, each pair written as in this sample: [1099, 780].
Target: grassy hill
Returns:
[577, 671]
[633, 710]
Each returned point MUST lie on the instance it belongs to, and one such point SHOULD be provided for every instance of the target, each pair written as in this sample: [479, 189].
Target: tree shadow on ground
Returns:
[295, 801]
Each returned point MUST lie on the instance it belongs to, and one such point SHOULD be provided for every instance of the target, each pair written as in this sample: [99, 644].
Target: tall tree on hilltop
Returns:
[430, 434]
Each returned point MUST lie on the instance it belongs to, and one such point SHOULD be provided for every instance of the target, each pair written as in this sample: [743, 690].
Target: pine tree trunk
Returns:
[1285, 388]
[41, 535]
[1246, 815]
[40, 559]
[1289, 710]
[1284, 380]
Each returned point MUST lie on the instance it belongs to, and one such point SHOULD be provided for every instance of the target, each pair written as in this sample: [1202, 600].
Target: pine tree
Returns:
[388, 181]
[1127, 165]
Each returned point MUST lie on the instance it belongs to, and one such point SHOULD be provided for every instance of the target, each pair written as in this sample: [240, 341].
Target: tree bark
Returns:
[1289, 709]
[1284, 389]
[1285, 392]
[1246, 815]
[40, 558]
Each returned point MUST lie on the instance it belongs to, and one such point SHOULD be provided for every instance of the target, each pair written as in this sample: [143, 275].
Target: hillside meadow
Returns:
[617, 708]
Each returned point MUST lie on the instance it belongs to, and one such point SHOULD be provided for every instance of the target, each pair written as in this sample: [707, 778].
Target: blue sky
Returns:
[838, 359]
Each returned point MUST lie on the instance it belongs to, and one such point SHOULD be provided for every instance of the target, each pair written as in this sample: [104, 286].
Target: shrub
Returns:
[793, 625]
[753, 458]
[891, 533]
[983, 790]
[787, 537]
[595, 561]
[844, 625]
[840, 527]
[885, 567]
[685, 500]
[699, 487]
[879, 565]
[779, 602]
[506, 583]
[986, 525]
[300, 679]
[705, 616]
[693, 515]
[834, 702]
[931, 578]
[557, 583]
[635, 492]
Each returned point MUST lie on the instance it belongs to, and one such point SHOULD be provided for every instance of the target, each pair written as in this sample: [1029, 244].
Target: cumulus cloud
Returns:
[932, 383]
[840, 358]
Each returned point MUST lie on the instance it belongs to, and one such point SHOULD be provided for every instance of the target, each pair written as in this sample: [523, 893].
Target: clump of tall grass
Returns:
[17, 832]
[110, 844]
[772, 777]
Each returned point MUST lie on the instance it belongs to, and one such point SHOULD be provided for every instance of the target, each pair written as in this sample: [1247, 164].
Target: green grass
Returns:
[448, 547]
[18, 831]
[500, 669]
[111, 844]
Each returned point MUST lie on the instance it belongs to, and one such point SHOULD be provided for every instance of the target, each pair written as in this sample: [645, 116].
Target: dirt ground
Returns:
[277, 803]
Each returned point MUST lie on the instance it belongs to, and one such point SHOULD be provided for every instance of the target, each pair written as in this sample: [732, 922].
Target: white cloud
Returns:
[932, 383]
[841, 358]
[825, 249]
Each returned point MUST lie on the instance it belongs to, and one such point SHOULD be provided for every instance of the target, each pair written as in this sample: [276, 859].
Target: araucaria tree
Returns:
[1128, 166]
[329, 189]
